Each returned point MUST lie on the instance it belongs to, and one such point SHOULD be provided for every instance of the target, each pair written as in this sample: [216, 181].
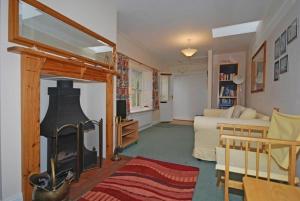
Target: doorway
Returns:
[190, 95]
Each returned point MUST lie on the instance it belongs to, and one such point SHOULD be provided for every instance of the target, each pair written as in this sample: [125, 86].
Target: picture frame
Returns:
[276, 71]
[292, 31]
[283, 43]
[277, 49]
[258, 69]
[284, 63]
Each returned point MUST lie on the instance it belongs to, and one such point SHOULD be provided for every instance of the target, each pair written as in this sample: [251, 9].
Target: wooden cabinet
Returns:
[127, 133]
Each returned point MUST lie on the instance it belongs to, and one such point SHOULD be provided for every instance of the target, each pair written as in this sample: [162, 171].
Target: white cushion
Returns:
[228, 112]
[284, 127]
[248, 114]
[238, 109]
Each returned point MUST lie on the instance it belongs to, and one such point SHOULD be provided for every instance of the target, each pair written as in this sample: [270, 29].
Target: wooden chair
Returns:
[247, 151]
[237, 130]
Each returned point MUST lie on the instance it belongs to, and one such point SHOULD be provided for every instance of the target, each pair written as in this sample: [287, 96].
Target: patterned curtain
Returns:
[123, 80]
[155, 93]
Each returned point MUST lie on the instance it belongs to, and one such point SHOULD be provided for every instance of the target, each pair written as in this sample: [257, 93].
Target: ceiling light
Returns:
[189, 52]
[237, 29]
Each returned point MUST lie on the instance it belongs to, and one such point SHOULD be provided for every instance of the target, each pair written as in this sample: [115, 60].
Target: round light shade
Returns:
[188, 52]
[237, 79]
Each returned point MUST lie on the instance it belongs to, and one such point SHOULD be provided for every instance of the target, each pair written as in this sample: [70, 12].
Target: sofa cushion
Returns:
[284, 127]
[228, 112]
[213, 112]
[262, 117]
[238, 110]
[248, 114]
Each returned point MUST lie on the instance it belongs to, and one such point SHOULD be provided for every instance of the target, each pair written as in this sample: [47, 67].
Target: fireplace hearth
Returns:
[64, 126]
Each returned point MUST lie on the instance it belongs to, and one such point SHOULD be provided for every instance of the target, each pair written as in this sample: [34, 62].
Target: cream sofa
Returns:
[207, 134]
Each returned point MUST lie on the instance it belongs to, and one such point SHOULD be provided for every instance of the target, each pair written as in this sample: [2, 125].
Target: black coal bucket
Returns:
[51, 188]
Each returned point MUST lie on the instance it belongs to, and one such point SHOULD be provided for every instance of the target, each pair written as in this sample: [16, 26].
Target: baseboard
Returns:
[148, 126]
[186, 120]
[17, 197]
[155, 122]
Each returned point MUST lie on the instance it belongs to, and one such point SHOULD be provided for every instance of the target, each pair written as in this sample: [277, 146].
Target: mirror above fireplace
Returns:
[35, 25]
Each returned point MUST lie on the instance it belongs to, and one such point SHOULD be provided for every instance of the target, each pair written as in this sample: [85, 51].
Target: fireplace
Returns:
[64, 126]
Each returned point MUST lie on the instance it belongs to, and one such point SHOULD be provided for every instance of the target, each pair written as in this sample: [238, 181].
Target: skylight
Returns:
[236, 29]
[100, 49]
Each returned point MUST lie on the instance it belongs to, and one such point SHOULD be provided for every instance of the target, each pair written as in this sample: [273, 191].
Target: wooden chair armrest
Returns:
[241, 130]
[241, 126]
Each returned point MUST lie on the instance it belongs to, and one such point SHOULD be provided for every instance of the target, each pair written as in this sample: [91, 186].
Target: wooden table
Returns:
[261, 190]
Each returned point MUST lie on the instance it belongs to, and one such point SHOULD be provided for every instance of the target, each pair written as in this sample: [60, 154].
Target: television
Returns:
[121, 109]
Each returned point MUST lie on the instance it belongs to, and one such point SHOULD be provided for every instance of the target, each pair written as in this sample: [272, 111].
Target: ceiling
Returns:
[163, 26]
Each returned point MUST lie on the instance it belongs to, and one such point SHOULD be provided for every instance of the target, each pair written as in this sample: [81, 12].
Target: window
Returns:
[140, 87]
[164, 88]
[136, 88]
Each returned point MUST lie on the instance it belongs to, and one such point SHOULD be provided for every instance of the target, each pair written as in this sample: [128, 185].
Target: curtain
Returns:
[123, 80]
[155, 90]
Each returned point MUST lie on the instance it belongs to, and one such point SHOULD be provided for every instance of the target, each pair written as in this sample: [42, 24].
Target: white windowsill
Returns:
[140, 109]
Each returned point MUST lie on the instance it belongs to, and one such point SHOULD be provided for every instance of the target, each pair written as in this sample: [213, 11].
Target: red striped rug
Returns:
[146, 179]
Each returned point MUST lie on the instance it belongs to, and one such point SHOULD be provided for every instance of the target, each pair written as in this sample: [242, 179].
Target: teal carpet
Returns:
[174, 143]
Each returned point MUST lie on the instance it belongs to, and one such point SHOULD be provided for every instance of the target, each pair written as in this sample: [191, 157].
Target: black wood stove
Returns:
[67, 145]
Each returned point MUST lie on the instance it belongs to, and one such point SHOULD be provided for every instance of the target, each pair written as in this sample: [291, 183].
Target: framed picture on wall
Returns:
[276, 71]
[284, 62]
[292, 31]
[277, 49]
[258, 69]
[283, 43]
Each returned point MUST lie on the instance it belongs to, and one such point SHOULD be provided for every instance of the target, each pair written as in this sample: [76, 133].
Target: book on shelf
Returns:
[226, 102]
[226, 76]
[221, 91]
[227, 91]
[227, 88]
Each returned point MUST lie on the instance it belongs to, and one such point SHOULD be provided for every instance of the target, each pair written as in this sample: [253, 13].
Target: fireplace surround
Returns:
[40, 60]
[34, 66]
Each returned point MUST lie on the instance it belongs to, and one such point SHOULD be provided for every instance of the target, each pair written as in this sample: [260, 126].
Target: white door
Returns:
[190, 95]
[166, 98]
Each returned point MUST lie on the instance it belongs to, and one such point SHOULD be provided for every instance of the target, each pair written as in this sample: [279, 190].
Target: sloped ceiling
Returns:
[163, 26]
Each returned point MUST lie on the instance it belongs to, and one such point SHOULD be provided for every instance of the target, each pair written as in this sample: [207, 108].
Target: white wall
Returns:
[209, 78]
[0, 96]
[145, 119]
[134, 50]
[188, 67]
[190, 95]
[44, 104]
[284, 93]
[182, 87]
[10, 115]
[101, 18]
[218, 59]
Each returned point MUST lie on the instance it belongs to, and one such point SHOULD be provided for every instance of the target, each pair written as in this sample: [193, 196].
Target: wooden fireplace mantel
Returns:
[59, 66]
[34, 65]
